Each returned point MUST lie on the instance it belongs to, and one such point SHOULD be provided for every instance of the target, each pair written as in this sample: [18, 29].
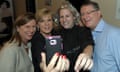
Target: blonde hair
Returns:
[69, 6]
[43, 12]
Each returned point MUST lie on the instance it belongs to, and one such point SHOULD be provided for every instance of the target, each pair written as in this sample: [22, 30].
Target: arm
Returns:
[84, 59]
[88, 50]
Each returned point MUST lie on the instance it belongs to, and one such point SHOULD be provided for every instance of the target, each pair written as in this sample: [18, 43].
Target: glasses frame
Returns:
[88, 13]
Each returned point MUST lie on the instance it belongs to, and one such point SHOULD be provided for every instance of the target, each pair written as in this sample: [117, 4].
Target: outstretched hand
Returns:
[83, 61]
[61, 66]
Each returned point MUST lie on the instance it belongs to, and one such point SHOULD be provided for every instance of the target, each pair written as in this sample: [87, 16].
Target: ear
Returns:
[17, 28]
[99, 13]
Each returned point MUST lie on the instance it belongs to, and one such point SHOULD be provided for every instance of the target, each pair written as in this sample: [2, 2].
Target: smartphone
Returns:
[53, 45]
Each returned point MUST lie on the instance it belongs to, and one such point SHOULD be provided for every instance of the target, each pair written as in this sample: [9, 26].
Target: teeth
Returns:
[65, 23]
[87, 20]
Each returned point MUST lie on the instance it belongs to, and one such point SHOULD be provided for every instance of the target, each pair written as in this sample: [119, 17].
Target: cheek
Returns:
[41, 26]
[21, 33]
[61, 20]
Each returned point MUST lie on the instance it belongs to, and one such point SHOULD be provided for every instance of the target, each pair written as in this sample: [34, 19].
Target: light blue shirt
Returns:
[107, 48]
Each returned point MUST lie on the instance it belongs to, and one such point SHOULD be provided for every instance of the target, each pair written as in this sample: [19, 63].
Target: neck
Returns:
[46, 34]
[25, 42]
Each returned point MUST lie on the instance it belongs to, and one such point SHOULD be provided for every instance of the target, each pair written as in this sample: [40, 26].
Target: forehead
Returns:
[30, 23]
[46, 16]
[86, 7]
[65, 11]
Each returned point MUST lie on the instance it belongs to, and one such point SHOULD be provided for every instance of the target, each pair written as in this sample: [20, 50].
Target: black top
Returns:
[74, 42]
[38, 44]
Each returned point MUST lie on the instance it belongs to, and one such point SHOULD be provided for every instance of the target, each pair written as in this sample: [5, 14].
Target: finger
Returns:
[59, 64]
[63, 65]
[88, 63]
[83, 62]
[43, 61]
[43, 55]
[78, 62]
[67, 64]
[53, 60]
[90, 66]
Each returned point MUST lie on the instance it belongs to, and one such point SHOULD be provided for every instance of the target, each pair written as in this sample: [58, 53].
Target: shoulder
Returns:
[9, 53]
[112, 31]
[10, 48]
[37, 36]
[84, 29]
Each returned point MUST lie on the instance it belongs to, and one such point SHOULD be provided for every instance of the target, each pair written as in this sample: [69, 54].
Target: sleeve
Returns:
[8, 59]
[38, 43]
[86, 37]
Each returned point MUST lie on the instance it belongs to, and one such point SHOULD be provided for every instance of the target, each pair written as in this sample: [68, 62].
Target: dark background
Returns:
[30, 4]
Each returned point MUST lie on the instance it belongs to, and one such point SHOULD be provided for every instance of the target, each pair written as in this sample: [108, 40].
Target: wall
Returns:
[55, 4]
[108, 8]
[19, 7]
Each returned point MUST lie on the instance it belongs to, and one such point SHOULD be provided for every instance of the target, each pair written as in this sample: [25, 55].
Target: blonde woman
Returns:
[45, 26]
[77, 41]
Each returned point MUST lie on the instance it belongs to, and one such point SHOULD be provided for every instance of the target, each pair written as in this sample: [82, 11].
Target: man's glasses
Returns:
[88, 13]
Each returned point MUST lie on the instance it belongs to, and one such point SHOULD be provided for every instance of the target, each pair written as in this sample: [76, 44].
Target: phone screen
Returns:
[53, 45]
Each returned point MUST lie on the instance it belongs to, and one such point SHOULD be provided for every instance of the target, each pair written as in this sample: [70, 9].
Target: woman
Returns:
[77, 41]
[45, 26]
[13, 55]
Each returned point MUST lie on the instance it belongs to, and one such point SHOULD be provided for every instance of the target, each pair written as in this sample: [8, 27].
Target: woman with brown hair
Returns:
[14, 56]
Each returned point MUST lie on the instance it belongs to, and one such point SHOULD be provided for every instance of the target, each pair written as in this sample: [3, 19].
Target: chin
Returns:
[29, 38]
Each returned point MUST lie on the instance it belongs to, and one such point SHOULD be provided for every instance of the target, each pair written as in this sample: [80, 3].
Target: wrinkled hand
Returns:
[83, 61]
[62, 64]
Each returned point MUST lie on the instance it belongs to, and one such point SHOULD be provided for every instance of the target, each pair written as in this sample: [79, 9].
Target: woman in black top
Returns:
[77, 41]
[45, 26]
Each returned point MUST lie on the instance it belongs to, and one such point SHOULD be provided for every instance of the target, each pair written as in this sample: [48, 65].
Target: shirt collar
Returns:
[99, 27]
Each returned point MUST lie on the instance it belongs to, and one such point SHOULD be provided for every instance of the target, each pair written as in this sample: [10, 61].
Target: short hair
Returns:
[94, 4]
[43, 12]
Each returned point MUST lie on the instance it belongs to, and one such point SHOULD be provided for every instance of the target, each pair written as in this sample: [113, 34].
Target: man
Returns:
[106, 50]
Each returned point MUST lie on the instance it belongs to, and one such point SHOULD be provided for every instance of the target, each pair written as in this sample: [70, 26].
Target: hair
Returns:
[94, 4]
[43, 12]
[20, 21]
[6, 2]
[69, 6]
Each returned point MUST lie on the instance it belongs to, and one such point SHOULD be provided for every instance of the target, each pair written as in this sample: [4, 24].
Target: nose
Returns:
[32, 29]
[46, 23]
[64, 19]
[85, 16]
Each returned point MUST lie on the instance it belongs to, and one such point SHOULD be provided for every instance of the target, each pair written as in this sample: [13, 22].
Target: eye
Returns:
[61, 16]
[49, 19]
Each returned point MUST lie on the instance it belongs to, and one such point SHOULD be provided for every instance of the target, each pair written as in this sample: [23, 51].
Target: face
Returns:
[89, 16]
[46, 24]
[27, 30]
[66, 18]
